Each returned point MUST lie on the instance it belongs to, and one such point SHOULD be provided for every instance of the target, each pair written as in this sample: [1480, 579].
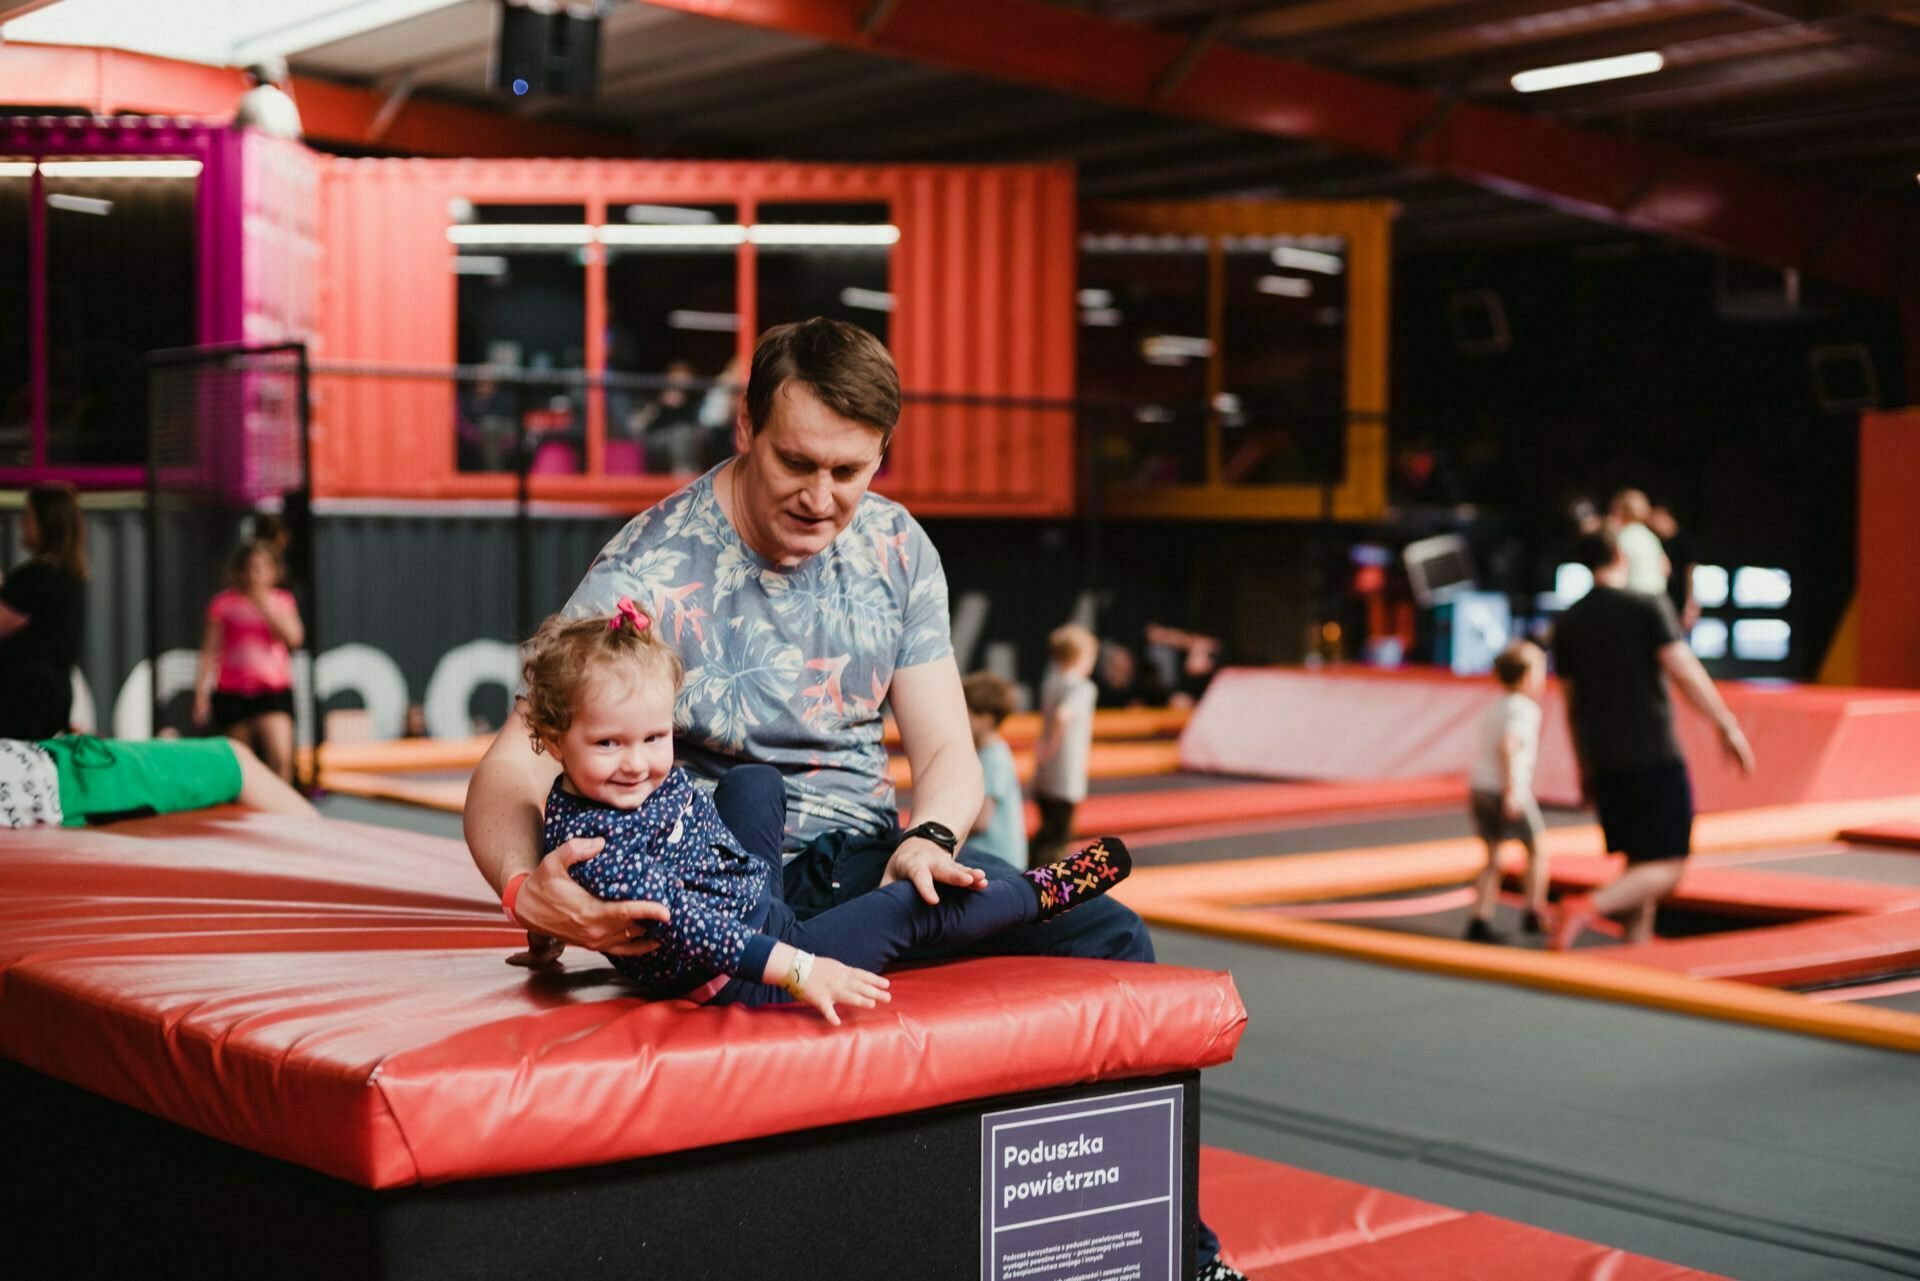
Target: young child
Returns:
[1502, 784]
[1001, 829]
[1067, 699]
[600, 699]
[77, 779]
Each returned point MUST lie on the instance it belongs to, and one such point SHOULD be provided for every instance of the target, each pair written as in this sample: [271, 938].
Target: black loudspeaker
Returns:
[1844, 378]
[1479, 320]
[547, 50]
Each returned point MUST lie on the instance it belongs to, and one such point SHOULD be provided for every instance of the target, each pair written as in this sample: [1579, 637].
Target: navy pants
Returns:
[842, 869]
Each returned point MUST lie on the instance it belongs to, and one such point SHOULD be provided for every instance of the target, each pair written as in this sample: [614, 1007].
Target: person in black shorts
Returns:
[1614, 651]
[43, 611]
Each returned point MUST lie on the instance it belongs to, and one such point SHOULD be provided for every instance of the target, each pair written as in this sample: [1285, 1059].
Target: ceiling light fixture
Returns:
[120, 168]
[1308, 260]
[822, 234]
[1583, 73]
[1286, 286]
[520, 233]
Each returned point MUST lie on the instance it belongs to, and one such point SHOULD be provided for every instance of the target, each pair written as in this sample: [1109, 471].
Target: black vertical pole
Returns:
[303, 406]
[522, 520]
[155, 410]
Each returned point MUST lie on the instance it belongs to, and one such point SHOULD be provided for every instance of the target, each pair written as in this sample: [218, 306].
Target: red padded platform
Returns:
[1814, 743]
[1819, 951]
[1124, 812]
[1284, 1222]
[1748, 890]
[1904, 836]
[335, 995]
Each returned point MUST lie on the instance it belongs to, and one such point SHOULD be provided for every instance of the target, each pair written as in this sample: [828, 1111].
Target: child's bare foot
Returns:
[542, 951]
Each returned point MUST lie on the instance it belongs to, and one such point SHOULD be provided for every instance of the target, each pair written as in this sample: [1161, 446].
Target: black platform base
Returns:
[93, 1188]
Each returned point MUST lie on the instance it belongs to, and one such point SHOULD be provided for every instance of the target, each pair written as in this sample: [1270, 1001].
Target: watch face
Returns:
[938, 833]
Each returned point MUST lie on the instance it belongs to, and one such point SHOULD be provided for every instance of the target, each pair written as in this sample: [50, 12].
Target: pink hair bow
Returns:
[628, 610]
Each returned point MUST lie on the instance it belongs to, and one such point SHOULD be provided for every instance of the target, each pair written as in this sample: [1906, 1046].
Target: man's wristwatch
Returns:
[939, 833]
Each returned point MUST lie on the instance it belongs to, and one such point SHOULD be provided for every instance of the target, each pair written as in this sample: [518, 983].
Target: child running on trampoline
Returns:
[600, 699]
[1501, 786]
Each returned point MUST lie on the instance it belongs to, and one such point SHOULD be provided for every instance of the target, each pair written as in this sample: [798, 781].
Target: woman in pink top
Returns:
[245, 683]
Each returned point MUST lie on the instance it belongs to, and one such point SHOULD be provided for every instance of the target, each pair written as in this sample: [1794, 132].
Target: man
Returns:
[1614, 649]
[800, 603]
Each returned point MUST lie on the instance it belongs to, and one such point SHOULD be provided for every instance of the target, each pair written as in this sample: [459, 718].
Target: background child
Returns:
[1502, 783]
[78, 779]
[600, 700]
[244, 687]
[1001, 829]
[1067, 700]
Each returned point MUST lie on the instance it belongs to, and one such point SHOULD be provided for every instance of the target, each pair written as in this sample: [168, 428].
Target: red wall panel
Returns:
[1889, 575]
[983, 277]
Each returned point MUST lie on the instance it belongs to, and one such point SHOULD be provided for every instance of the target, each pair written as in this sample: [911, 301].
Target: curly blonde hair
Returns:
[567, 653]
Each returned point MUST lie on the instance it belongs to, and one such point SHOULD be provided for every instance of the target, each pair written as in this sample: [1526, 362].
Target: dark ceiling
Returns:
[1820, 91]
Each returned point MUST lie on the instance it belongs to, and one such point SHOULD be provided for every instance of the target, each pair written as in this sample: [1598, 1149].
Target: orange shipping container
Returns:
[982, 279]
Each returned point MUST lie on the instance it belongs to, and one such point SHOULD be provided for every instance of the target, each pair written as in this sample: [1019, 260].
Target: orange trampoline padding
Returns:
[1899, 835]
[335, 995]
[1814, 743]
[1118, 812]
[1818, 951]
[1285, 1222]
[1022, 729]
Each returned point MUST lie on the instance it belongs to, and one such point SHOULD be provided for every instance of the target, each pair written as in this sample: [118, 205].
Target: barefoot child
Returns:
[600, 699]
[1502, 784]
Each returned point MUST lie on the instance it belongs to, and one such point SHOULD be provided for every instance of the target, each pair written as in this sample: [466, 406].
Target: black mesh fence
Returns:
[228, 464]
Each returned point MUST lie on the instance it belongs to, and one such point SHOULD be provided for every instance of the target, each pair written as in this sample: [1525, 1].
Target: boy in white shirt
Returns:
[1501, 785]
[1066, 736]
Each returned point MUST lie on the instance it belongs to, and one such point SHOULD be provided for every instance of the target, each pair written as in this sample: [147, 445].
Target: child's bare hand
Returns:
[834, 982]
[542, 950]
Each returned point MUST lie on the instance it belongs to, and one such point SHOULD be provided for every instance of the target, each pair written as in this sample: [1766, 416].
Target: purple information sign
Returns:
[1087, 1190]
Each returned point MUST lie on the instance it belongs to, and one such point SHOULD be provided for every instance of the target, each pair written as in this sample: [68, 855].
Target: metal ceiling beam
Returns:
[110, 82]
[1649, 186]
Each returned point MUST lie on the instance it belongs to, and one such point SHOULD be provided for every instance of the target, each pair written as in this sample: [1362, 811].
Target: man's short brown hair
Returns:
[989, 695]
[844, 365]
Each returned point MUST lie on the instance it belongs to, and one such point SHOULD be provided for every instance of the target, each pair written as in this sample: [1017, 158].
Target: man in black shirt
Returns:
[1614, 651]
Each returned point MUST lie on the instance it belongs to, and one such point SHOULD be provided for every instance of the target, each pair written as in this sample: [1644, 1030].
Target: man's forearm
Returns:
[502, 817]
[950, 790]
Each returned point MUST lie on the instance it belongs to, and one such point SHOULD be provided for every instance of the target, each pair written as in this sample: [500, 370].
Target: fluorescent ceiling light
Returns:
[479, 265]
[80, 204]
[827, 233]
[719, 233]
[1286, 286]
[520, 233]
[678, 215]
[1584, 73]
[1094, 297]
[216, 32]
[1175, 347]
[16, 168]
[1308, 260]
[1102, 317]
[870, 299]
[120, 168]
[718, 322]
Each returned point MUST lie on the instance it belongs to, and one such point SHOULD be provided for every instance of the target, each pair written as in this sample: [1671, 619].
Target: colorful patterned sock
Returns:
[1078, 877]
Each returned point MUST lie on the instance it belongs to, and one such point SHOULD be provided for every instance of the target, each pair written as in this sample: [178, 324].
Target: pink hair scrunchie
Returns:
[628, 610]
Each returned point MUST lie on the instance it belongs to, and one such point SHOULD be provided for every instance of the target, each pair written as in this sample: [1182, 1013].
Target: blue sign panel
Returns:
[1087, 1190]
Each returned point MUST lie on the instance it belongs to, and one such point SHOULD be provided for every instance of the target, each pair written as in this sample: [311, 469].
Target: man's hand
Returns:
[1734, 742]
[926, 864]
[550, 903]
[835, 981]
